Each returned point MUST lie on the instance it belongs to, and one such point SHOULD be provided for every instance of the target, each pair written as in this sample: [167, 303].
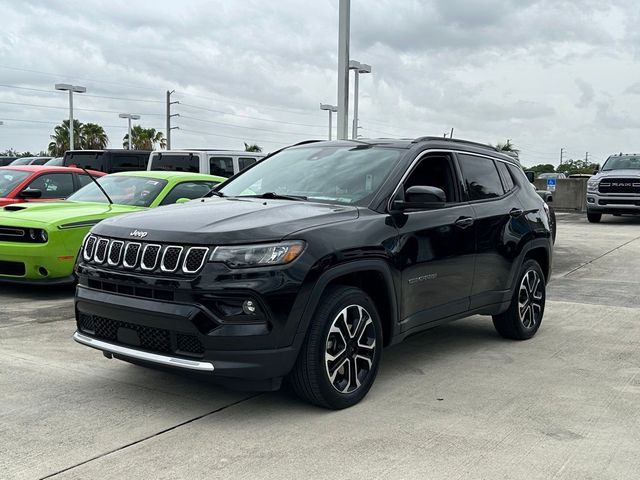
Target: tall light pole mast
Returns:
[344, 24]
[129, 117]
[331, 109]
[358, 68]
[66, 87]
[561, 155]
[169, 115]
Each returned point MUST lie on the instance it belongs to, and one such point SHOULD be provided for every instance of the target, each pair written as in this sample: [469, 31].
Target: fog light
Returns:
[591, 200]
[249, 307]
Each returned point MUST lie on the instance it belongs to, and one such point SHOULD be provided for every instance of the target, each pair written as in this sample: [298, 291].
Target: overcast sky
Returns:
[545, 73]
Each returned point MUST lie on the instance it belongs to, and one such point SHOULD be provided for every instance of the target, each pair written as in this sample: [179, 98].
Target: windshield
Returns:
[55, 162]
[22, 161]
[10, 179]
[622, 162]
[346, 175]
[123, 190]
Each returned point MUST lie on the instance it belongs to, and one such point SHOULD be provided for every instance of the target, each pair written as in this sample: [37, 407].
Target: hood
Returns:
[616, 173]
[225, 220]
[59, 213]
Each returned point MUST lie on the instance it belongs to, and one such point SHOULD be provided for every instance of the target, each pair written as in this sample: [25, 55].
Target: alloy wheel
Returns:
[531, 299]
[350, 349]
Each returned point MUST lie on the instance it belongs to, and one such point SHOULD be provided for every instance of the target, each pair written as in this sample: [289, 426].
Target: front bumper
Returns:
[175, 335]
[601, 203]
[36, 263]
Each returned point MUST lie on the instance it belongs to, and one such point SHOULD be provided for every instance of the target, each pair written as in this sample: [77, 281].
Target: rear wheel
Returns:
[522, 319]
[594, 217]
[339, 359]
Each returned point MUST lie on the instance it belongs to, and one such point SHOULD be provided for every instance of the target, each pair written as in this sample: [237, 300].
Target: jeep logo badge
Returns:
[138, 233]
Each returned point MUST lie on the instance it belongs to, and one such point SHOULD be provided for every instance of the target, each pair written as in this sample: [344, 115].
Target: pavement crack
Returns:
[149, 437]
[599, 257]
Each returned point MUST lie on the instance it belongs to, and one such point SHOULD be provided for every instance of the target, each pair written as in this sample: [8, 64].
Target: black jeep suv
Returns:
[307, 264]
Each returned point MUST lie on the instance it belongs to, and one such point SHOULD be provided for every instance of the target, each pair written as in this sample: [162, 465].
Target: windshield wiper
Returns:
[278, 196]
[213, 191]
[96, 182]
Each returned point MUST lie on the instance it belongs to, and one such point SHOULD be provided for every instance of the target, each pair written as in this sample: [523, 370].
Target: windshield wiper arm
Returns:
[96, 182]
[278, 196]
[213, 191]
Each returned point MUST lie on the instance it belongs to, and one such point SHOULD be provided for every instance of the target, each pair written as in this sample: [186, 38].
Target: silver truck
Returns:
[615, 189]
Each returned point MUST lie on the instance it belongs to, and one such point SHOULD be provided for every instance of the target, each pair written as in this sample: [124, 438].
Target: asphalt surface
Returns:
[455, 402]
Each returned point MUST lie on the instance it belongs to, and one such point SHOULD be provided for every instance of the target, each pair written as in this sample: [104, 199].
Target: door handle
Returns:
[516, 212]
[464, 222]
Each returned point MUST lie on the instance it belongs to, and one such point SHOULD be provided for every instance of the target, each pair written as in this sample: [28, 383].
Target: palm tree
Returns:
[506, 147]
[252, 147]
[144, 138]
[94, 137]
[60, 137]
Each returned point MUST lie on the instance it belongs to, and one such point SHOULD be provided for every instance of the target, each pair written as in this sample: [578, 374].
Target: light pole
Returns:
[129, 117]
[66, 87]
[330, 109]
[358, 68]
[344, 26]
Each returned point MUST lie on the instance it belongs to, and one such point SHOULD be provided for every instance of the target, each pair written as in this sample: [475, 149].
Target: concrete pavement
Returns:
[455, 402]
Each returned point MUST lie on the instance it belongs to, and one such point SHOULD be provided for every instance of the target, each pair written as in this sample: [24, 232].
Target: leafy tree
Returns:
[144, 138]
[94, 137]
[577, 166]
[542, 168]
[252, 147]
[60, 137]
[506, 147]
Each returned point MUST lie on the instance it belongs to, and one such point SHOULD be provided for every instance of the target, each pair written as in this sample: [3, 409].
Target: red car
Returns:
[31, 183]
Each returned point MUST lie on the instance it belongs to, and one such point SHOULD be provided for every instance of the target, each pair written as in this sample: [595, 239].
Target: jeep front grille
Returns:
[147, 257]
[619, 185]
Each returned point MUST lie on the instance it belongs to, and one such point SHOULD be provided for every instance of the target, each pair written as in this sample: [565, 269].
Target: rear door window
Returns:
[481, 177]
[222, 166]
[186, 162]
[123, 162]
[53, 185]
[507, 180]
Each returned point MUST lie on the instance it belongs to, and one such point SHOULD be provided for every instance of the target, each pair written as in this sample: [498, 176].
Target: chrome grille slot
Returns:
[88, 248]
[131, 254]
[150, 255]
[115, 252]
[194, 259]
[171, 258]
[101, 250]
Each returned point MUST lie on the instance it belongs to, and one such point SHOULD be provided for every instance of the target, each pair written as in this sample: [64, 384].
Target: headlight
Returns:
[38, 235]
[258, 255]
[592, 186]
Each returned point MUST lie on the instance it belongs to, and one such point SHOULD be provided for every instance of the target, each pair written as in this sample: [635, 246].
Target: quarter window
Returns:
[481, 177]
[244, 162]
[507, 180]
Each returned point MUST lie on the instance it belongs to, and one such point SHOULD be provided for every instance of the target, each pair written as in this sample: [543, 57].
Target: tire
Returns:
[331, 382]
[594, 217]
[522, 322]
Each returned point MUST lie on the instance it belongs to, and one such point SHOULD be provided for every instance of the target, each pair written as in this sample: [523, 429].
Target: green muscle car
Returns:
[39, 242]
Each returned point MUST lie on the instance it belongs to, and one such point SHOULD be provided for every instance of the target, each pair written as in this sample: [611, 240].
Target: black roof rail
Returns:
[456, 140]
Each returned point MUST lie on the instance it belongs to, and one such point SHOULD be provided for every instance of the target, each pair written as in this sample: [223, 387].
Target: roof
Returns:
[407, 143]
[115, 150]
[169, 175]
[48, 168]
[205, 150]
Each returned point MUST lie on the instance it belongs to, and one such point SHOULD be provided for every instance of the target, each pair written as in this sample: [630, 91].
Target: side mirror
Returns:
[30, 193]
[183, 200]
[531, 176]
[595, 172]
[421, 197]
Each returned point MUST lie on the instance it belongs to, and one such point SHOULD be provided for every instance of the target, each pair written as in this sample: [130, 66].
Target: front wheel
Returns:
[594, 217]
[522, 319]
[339, 359]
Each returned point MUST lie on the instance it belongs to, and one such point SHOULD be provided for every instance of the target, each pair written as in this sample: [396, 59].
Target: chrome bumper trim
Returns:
[140, 355]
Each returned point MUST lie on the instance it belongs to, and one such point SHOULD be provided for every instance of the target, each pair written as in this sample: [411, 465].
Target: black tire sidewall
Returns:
[338, 298]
